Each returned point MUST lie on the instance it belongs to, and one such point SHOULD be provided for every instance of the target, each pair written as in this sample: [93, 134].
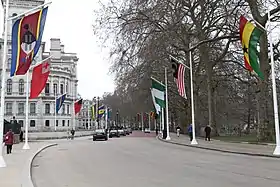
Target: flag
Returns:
[250, 37]
[157, 106]
[40, 77]
[101, 111]
[78, 106]
[158, 93]
[27, 34]
[179, 76]
[93, 112]
[108, 113]
[59, 102]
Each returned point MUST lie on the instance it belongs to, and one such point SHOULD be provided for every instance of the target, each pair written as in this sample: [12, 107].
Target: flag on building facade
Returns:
[27, 34]
[93, 112]
[78, 106]
[179, 76]
[250, 37]
[158, 94]
[101, 111]
[40, 77]
[59, 102]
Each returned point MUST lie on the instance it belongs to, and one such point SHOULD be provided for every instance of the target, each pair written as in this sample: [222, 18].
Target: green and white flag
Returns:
[158, 95]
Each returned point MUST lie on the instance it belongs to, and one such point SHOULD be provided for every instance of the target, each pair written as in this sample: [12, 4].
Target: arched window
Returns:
[47, 108]
[21, 87]
[9, 86]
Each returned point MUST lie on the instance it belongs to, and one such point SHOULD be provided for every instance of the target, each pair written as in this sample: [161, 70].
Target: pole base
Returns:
[277, 150]
[26, 146]
[194, 142]
[2, 162]
[167, 138]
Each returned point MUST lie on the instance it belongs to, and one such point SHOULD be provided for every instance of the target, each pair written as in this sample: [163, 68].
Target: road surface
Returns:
[145, 161]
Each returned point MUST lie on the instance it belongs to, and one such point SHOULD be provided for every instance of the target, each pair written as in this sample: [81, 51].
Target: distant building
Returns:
[62, 79]
[85, 116]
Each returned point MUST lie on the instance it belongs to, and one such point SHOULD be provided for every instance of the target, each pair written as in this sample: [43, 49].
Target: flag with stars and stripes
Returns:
[179, 74]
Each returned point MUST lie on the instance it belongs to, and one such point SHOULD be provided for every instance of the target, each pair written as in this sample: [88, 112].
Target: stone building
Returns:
[62, 79]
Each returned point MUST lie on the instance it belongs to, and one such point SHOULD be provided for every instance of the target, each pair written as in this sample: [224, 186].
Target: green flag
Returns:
[158, 93]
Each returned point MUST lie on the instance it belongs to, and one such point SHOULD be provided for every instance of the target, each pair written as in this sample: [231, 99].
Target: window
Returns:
[9, 63]
[47, 108]
[9, 86]
[32, 108]
[47, 89]
[68, 123]
[21, 86]
[56, 123]
[9, 108]
[55, 88]
[66, 88]
[32, 123]
[13, 20]
[61, 89]
[47, 123]
[63, 123]
[20, 108]
[63, 109]
[68, 109]
[20, 122]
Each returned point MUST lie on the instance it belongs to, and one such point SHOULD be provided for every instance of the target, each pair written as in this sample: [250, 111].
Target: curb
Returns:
[220, 150]
[27, 182]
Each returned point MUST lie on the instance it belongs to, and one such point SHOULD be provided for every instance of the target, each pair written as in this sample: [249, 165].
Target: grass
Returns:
[251, 138]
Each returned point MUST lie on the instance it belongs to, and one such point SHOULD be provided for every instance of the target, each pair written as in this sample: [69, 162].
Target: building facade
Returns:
[85, 116]
[62, 79]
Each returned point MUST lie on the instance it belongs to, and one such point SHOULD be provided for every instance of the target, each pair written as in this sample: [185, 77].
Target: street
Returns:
[145, 161]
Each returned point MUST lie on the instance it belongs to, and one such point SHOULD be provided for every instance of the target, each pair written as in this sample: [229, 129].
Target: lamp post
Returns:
[117, 120]
[97, 110]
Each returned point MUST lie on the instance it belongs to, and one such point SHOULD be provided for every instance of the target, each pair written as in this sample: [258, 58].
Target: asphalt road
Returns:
[144, 161]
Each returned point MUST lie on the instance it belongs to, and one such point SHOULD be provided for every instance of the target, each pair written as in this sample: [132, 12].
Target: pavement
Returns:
[17, 173]
[228, 147]
[145, 161]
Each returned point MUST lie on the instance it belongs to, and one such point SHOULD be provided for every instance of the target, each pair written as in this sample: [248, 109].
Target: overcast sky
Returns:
[71, 21]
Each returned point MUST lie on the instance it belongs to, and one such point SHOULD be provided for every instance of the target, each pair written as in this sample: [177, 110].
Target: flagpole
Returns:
[162, 122]
[275, 104]
[193, 142]
[88, 117]
[142, 121]
[54, 111]
[149, 122]
[166, 98]
[2, 102]
[26, 146]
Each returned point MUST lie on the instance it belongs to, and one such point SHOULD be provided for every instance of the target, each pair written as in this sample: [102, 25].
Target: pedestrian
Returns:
[190, 129]
[207, 131]
[9, 141]
[156, 131]
[21, 136]
[72, 134]
[178, 130]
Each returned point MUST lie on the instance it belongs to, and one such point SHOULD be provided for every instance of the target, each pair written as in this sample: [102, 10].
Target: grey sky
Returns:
[71, 21]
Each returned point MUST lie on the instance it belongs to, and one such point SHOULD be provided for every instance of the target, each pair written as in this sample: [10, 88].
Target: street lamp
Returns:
[117, 121]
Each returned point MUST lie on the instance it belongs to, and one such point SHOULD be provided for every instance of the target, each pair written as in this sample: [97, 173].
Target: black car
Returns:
[100, 134]
[114, 133]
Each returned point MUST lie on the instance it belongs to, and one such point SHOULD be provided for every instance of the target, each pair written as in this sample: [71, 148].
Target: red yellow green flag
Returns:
[250, 37]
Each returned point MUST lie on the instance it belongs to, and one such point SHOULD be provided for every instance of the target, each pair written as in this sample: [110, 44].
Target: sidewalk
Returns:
[17, 172]
[217, 145]
[55, 135]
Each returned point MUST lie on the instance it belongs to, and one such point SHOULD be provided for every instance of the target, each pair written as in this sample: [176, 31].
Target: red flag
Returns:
[39, 79]
[78, 106]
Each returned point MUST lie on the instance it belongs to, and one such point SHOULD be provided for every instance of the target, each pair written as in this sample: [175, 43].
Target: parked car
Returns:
[147, 130]
[100, 134]
[114, 133]
[121, 132]
[126, 131]
[129, 130]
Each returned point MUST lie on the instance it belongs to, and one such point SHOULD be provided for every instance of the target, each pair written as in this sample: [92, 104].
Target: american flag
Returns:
[179, 74]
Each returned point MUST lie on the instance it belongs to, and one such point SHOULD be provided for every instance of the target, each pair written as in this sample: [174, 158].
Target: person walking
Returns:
[190, 132]
[72, 134]
[178, 130]
[207, 131]
[21, 136]
[9, 141]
